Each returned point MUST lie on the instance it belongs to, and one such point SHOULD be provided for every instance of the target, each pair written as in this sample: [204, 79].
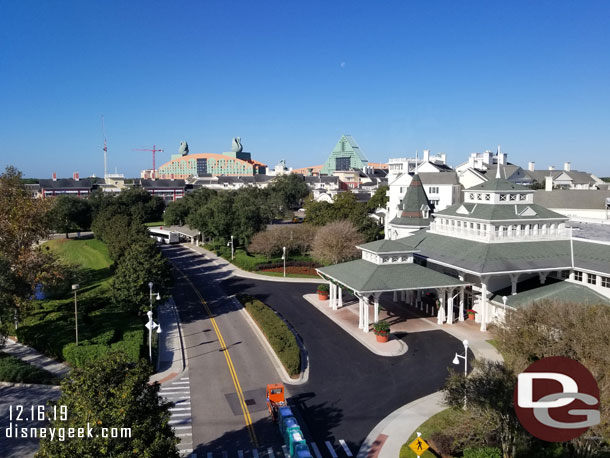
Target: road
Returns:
[349, 389]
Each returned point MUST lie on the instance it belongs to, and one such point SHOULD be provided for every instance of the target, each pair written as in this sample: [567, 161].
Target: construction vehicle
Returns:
[289, 427]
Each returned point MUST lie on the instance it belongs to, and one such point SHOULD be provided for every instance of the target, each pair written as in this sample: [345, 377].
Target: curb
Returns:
[376, 439]
[26, 385]
[403, 346]
[275, 360]
[169, 374]
[245, 274]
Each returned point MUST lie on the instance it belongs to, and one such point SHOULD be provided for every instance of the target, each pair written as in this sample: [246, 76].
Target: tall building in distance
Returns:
[346, 155]
[233, 163]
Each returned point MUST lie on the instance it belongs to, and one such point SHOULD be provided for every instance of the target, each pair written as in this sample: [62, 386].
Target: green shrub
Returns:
[78, 356]
[323, 288]
[104, 338]
[14, 370]
[483, 452]
[278, 334]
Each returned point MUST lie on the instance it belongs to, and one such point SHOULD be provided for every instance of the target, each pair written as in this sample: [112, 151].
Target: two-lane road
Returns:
[349, 389]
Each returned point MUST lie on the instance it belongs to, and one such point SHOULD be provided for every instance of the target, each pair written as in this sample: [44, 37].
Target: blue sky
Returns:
[290, 77]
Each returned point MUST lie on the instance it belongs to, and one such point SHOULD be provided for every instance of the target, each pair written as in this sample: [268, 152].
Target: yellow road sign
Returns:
[419, 446]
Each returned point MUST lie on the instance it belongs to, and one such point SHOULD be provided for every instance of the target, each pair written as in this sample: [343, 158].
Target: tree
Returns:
[70, 214]
[296, 238]
[575, 331]
[336, 242]
[488, 391]
[141, 264]
[176, 212]
[290, 190]
[250, 213]
[379, 199]
[216, 217]
[111, 393]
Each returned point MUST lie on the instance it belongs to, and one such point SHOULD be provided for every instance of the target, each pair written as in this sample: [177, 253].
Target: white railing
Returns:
[492, 236]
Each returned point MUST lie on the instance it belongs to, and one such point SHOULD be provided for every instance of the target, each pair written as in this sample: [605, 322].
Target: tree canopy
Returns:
[70, 214]
[112, 393]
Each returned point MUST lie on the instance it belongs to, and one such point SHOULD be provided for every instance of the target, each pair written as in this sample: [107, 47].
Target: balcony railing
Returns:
[502, 236]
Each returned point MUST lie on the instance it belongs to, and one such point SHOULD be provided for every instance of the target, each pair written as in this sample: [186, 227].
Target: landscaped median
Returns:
[277, 332]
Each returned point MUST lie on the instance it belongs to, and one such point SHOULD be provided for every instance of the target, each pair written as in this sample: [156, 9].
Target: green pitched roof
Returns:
[499, 184]
[500, 212]
[415, 197]
[562, 291]
[387, 246]
[483, 257]
[367, 277]
[592, 256]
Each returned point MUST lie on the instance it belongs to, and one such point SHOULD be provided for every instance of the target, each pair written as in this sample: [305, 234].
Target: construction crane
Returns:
[105, 149]
[154, 150]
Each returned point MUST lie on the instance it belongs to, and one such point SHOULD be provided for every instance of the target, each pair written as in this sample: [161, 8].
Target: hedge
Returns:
[277, 332]
[88, 351]
[273, 265]
[483, 452]
[78, 356]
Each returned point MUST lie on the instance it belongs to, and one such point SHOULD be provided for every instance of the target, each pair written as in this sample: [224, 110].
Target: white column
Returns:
[461, 317]
[450, 307]
[366, 316]
[376, 311]
[340, 298]
[484, 304]
[395, 296]
[360, 312]
[542, 276]
[514, 278]
[331, 295]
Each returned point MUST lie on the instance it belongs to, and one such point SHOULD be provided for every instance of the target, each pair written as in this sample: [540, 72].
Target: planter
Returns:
[471, 316]
[322, 296]
[382, 337]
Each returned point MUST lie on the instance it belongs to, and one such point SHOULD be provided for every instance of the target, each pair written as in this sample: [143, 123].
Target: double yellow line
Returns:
[225, 350]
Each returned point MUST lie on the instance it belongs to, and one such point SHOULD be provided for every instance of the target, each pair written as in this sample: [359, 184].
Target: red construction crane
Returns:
[154, 150]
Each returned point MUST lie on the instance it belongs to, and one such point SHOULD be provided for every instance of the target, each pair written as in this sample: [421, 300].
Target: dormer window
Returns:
[425, 211]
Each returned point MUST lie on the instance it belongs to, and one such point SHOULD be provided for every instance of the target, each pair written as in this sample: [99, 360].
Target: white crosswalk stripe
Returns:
[331, 449]
[345, 447]
[316, 450]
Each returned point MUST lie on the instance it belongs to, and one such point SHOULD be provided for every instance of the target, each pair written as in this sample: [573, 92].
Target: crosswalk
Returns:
[324, 449]
[178, 391]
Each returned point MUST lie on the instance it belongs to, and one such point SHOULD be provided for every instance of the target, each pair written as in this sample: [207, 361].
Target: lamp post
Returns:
[284, 259]
[232, 251]
[456, 360]
[151, 325]
[75, 288]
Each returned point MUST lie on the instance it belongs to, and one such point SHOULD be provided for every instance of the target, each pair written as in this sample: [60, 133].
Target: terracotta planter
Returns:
[322, 296]
[382, 337]
[471, 316]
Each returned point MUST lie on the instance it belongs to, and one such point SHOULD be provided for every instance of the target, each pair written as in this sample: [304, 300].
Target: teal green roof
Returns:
[387, 246]
[412, 206]
[562, 291]
[500, 212]
[410, 222]
[367, 277]
[498, 184]
[482, 257]
[592, 256]
[346, 147]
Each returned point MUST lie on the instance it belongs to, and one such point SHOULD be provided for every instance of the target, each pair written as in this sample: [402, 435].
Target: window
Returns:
[565, 274]
[591, 279]
[342, 163]
[577, 275]
[513, 196]
[433, 189]
[522, 196]
[471, 196]
[606, 282]
[479, 196]
[487, 196]
[502, 196]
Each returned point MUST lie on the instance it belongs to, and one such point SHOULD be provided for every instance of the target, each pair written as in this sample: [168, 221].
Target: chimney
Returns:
[548, 183]
[54, 176]
[471, 161]
[501, 158]
[531, 166]
[566, 166]
[443, 158]
[551, 167]
[75, 176]
[426, 155]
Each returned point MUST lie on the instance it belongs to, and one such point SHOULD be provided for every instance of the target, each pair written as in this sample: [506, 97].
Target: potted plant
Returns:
[471, 313]
[323, 292]
[382, 330]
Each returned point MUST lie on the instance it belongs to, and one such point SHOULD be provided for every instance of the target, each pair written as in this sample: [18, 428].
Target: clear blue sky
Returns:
[289, 77]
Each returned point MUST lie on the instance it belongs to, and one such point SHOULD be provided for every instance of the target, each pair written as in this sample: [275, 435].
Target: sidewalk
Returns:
[171, 360]
[226, 266]
[34, 357]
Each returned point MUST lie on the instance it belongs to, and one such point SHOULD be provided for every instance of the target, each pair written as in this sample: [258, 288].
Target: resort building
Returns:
[495, 251]
[346, 155]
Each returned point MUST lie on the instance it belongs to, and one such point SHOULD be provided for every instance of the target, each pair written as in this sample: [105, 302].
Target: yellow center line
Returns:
[225, 350]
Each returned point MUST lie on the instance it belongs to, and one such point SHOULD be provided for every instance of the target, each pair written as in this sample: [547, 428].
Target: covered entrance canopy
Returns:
[366, 279]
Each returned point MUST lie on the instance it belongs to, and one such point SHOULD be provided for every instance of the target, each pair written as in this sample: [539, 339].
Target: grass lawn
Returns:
[14, 370]
[281, 274]
[437, 422]
[248, 261]
[154, 224]
[50, 326]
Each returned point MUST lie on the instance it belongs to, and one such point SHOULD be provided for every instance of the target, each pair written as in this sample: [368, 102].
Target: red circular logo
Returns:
[557, 399]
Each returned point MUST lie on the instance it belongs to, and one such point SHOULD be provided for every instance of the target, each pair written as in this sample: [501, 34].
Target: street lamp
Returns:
[75, 288]
[150, 287]
[284, 259]
[456, 360]
[231, 243]
[151, 325]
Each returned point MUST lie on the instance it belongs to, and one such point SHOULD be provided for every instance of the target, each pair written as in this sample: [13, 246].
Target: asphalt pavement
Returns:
[349, 388]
